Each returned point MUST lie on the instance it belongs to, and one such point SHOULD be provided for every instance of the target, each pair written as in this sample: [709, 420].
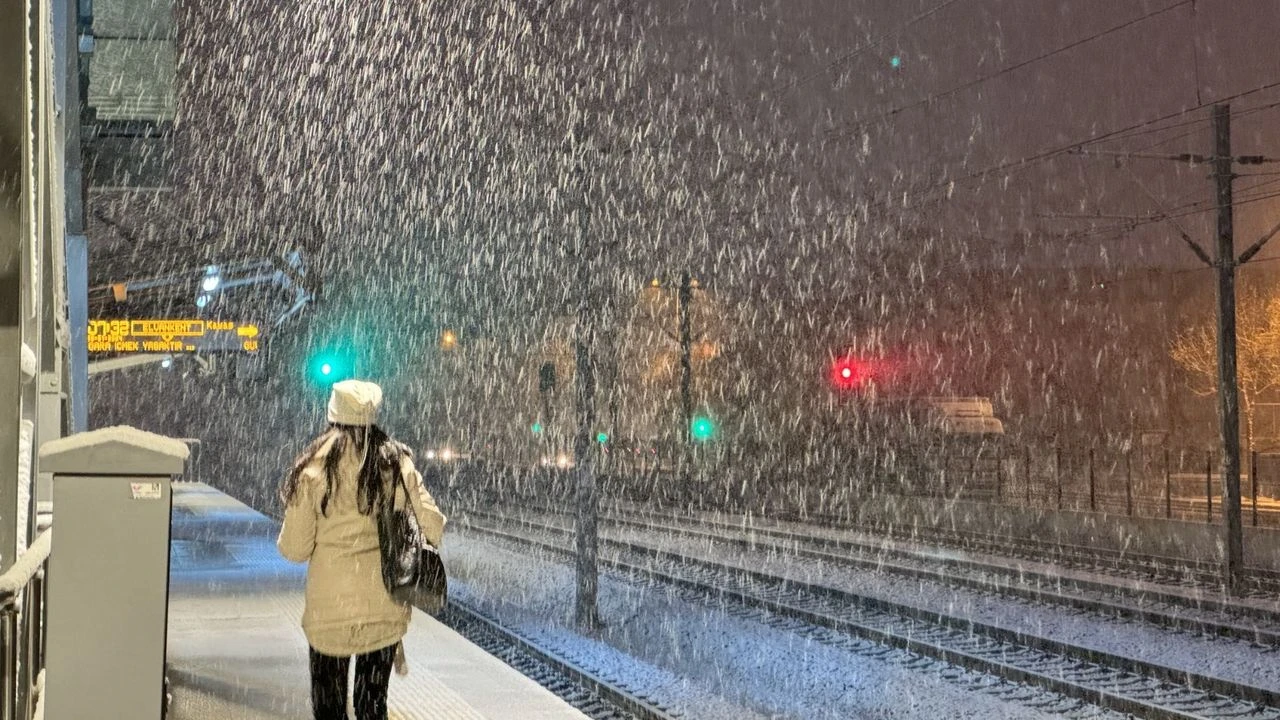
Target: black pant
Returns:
[329, 684]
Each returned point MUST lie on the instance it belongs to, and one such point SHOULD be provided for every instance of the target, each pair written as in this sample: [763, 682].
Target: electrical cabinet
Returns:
[108, 584]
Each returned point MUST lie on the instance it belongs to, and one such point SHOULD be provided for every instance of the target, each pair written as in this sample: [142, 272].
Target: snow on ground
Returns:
[925, 551]
[706, 662]
[1234, 660]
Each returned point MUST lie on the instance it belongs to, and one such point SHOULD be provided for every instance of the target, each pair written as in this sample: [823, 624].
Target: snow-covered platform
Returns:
[236, 649]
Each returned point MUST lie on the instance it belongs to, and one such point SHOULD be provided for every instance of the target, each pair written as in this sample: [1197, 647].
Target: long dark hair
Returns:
[382, 457]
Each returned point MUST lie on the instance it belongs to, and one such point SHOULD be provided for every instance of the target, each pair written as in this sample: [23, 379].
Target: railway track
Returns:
[1201, 614]
[1116, 683]
[1259, 582]
[1212, 613]
[582, 688]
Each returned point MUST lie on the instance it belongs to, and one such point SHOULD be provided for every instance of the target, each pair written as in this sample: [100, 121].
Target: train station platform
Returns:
[236, 648]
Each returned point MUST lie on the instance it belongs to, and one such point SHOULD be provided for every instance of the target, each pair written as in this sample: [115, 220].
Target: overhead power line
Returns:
[1033, 159]
[1188, 158]
[858, 125]
[1128, 227]
[1201, 121]
[924, 195]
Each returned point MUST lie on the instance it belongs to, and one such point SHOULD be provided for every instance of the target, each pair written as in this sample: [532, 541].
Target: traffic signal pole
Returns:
[1228, 389]
[684, 301]
[586, 502]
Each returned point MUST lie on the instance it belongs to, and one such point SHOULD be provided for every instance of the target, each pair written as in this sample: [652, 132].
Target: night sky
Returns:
[434, 163]
[289, 111]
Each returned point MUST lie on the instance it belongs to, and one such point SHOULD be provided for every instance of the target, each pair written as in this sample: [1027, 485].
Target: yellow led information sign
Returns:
[171, 336]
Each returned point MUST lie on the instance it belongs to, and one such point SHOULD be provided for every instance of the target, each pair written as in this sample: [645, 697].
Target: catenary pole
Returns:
[1225, 261]
[1228, 389]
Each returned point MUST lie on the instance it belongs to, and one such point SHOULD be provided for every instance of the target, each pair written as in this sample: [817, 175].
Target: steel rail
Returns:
[1204, 573]
[1017, 582]
[602, 700]
[1107, 680]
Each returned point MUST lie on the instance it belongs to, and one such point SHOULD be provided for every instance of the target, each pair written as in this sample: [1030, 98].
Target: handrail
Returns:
[38, 712]
[28, 564]
[22, 630]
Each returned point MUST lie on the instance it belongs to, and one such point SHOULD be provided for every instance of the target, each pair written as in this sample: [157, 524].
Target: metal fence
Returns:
[1159, 483]
[23, 617]
[1150, 482]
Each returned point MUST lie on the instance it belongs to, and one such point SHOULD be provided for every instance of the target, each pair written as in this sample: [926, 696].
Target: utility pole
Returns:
[546, 386]
[684, 302]
[586, 610]
[1225, 261]
[1228, 389]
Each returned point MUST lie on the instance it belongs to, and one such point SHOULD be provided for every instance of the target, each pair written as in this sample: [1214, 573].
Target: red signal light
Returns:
[850, 373]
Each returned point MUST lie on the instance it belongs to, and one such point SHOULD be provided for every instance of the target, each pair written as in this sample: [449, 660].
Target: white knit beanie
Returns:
[354, 402]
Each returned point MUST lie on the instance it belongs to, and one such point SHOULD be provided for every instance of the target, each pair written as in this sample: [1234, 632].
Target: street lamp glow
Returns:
[203, 299]
[448, 340]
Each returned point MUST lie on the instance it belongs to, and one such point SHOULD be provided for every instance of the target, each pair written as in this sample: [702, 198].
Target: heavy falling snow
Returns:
[938, 277]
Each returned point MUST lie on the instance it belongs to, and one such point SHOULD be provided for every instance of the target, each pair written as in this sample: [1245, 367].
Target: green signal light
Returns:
[329, 367]
[896, 61]
[702, 429]
[536, 428]
[602, 437]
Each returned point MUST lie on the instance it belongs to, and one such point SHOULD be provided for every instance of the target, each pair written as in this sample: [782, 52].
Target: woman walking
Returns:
[331, 497]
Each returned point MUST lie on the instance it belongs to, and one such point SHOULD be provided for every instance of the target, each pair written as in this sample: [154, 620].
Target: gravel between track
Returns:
[706, 662]
[1235, 660]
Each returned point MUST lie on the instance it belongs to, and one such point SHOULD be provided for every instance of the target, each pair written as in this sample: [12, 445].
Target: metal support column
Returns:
[1228, 388]
[77, 19]
[15, 260]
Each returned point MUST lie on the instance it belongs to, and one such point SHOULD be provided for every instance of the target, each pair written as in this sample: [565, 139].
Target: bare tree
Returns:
[1195, 349]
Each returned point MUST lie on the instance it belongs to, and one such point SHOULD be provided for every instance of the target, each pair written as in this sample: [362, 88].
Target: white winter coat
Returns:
[348, 610]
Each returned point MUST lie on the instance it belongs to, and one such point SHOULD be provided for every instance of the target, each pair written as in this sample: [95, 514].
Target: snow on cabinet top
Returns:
[120, 450]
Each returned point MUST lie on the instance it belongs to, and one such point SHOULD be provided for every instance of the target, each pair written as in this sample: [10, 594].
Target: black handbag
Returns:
[411, 569]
